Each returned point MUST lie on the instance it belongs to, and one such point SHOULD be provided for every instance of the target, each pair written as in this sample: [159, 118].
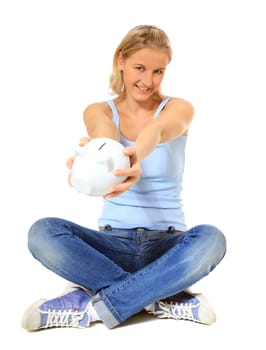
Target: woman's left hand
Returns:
[133, 174]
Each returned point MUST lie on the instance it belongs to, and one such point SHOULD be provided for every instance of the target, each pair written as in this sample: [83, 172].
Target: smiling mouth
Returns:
[142, 88]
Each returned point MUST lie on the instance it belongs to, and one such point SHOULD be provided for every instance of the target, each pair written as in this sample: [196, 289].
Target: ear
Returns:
[120, 61]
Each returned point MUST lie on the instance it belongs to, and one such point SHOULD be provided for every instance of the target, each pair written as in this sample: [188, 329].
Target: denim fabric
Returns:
[127, 269]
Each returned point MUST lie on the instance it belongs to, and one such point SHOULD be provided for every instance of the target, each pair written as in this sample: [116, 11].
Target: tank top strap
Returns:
[114, 111]
[161, 106]
[116, 115]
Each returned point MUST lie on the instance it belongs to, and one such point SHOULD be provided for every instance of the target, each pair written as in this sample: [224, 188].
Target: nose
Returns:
[147, 79]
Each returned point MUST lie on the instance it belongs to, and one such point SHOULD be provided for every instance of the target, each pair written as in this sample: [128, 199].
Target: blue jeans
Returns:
[126, 269]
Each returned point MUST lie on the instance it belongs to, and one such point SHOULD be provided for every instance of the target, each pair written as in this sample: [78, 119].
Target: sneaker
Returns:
[68, 310]
[184, 306]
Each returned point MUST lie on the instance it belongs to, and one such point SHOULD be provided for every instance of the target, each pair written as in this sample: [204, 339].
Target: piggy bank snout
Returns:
[94, 165]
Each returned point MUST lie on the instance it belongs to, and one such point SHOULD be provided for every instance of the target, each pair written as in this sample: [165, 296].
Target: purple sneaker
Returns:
[68, 310]
[184, 306]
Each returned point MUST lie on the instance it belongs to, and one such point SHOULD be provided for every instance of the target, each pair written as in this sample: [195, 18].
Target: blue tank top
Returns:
[155, 201]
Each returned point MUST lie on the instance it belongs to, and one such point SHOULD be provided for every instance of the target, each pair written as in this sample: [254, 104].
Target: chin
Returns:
[142, 96]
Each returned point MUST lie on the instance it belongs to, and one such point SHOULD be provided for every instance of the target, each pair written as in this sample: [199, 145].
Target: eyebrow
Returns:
[141, 64]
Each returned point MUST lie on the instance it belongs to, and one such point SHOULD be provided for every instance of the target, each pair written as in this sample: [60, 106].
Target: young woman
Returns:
[143, 256]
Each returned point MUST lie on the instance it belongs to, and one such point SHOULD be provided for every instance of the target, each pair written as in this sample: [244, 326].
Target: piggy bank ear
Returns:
[81, 151]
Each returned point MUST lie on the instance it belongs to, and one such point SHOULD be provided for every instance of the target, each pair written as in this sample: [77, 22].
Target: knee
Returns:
[216, 241]
[212, 241]
[37, 234]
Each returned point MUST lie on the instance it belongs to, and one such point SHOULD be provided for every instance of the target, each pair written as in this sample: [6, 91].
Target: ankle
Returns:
[94, 317]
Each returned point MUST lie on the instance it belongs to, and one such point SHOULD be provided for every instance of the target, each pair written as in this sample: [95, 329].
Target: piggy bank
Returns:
[94, 165]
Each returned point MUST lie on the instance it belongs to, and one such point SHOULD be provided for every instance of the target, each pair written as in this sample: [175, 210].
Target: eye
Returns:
[140, 68]
[158, 71]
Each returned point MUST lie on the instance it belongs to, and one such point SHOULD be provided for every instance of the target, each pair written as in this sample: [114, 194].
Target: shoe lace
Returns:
[65, 318]
[180, 311]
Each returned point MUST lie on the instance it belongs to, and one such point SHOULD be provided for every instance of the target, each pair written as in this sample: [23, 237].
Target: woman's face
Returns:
[143, 72]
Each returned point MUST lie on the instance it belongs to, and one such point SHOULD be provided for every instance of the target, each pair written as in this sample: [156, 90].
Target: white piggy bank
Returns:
[94, 165]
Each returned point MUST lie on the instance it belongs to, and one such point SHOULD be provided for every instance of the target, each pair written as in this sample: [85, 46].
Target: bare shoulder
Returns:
[180, 104]
[97, 109]
[176, 118]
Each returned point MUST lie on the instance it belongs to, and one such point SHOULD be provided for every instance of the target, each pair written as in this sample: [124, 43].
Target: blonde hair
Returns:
[136, 39]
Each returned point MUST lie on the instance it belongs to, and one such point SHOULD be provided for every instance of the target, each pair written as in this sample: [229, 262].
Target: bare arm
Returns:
[172, 122]
[99, 122]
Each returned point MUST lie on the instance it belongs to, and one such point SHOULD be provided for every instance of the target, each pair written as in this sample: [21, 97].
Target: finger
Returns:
[123, 172]
[69, 179]
[70, 162]
[135, 170]
[118, 189]
[84, 140]
[113, 194]
[129, 151]
[124, 186]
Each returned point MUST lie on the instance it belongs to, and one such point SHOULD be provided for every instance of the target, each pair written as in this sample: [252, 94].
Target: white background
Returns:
[56, 58]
